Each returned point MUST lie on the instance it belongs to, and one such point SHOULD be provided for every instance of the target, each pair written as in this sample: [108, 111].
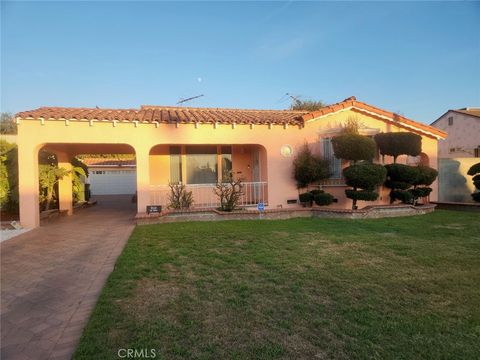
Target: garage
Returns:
[111, 177]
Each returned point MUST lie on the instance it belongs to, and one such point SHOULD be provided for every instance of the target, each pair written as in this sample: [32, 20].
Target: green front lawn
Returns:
[404, 288]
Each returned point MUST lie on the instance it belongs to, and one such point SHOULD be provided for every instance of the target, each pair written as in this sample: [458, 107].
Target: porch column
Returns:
[65, 186]
[143, 179]
[28, 185]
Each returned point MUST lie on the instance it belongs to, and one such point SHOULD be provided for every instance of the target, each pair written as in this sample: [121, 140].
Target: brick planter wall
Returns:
[369, 212]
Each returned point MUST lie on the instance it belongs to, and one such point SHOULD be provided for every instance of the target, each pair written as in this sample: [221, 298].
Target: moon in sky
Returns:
[199, 79]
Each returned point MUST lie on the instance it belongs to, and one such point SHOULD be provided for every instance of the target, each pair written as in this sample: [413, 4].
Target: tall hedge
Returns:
[354, 147]
[363, 178]
[309, 168]
[399, 143]
[475, 172]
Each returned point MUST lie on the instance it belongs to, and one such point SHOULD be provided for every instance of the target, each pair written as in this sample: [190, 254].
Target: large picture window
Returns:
[335, 163]
[226, 162]
[201, 164]
[175, 165]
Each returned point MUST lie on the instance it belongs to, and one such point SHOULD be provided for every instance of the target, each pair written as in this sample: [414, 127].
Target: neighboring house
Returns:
[111, 176]
[456, 153]
[10, 138]
[199, 146]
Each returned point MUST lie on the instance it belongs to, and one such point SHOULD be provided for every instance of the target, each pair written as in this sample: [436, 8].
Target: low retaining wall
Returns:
[458, 206]
[369, 212]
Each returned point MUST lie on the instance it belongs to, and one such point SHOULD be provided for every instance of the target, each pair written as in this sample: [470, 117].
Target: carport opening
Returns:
[101, 173]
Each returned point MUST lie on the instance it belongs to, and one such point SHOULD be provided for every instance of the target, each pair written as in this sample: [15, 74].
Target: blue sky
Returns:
[415, 58]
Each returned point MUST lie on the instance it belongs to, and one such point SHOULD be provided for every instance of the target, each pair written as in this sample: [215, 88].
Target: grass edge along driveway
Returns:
[403, 288]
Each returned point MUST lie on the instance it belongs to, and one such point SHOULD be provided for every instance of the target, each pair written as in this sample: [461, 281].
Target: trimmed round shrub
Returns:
[474, 169]
[404, 196]
[323, 199]
[306, 197]
[425, 175]
[420, 192]
[365, 175]
[316, 191]
[365, 195]
[354, 147]
[399, 143]
[476, 181]
[309, 168]
[400, 173]
[476, 196]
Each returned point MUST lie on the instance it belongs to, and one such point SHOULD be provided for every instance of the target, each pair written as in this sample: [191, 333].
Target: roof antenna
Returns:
[294, 98]
[181, 101]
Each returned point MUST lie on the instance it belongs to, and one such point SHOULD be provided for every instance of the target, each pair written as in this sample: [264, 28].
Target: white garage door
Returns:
[112, 182]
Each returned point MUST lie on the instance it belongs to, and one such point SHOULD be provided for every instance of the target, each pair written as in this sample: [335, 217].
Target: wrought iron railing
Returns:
[205, 197]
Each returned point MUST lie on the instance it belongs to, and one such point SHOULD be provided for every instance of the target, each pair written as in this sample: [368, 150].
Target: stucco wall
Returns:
[455, 185]
[276, 168]
[463, 135]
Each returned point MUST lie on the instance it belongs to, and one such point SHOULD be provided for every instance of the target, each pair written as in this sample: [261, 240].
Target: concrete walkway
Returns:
[52, 276]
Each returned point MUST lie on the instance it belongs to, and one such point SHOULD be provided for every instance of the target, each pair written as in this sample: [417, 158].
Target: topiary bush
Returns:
[309, 168]
[363, 178]
[475, 172]
[404, 196]
[424, 177]
[354, 147]
[306, 198]
[399, 143]
[400, 177]
[323, 199]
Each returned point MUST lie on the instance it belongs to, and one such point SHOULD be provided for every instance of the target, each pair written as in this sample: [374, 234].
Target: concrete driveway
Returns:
[52, 276]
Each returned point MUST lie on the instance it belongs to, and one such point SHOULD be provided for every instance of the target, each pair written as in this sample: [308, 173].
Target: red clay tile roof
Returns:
[165, 114]
[355, 105]
[169, 115]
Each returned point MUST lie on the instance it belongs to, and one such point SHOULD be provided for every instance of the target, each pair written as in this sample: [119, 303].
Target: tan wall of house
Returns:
[275, 168]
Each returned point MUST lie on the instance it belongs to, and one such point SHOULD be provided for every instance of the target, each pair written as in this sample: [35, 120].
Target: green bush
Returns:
[309, 168]
[316, 191]
[474, 169]
[306, 197]
[366, 177]
[323, 199]
[400, 177]
[420, 192]
[425, 175]
[475, 172]
[365, 195]
[404, 196]
[353, 147]
[399, 143]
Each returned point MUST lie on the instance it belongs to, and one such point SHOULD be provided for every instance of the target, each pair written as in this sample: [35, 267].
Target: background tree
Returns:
[398, 143]
[307, 105]
[475, 172]
[8, 126]
[309, 168]
[353, 147]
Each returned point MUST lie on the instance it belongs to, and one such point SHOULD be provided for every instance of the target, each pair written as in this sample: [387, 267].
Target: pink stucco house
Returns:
[198, 145]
